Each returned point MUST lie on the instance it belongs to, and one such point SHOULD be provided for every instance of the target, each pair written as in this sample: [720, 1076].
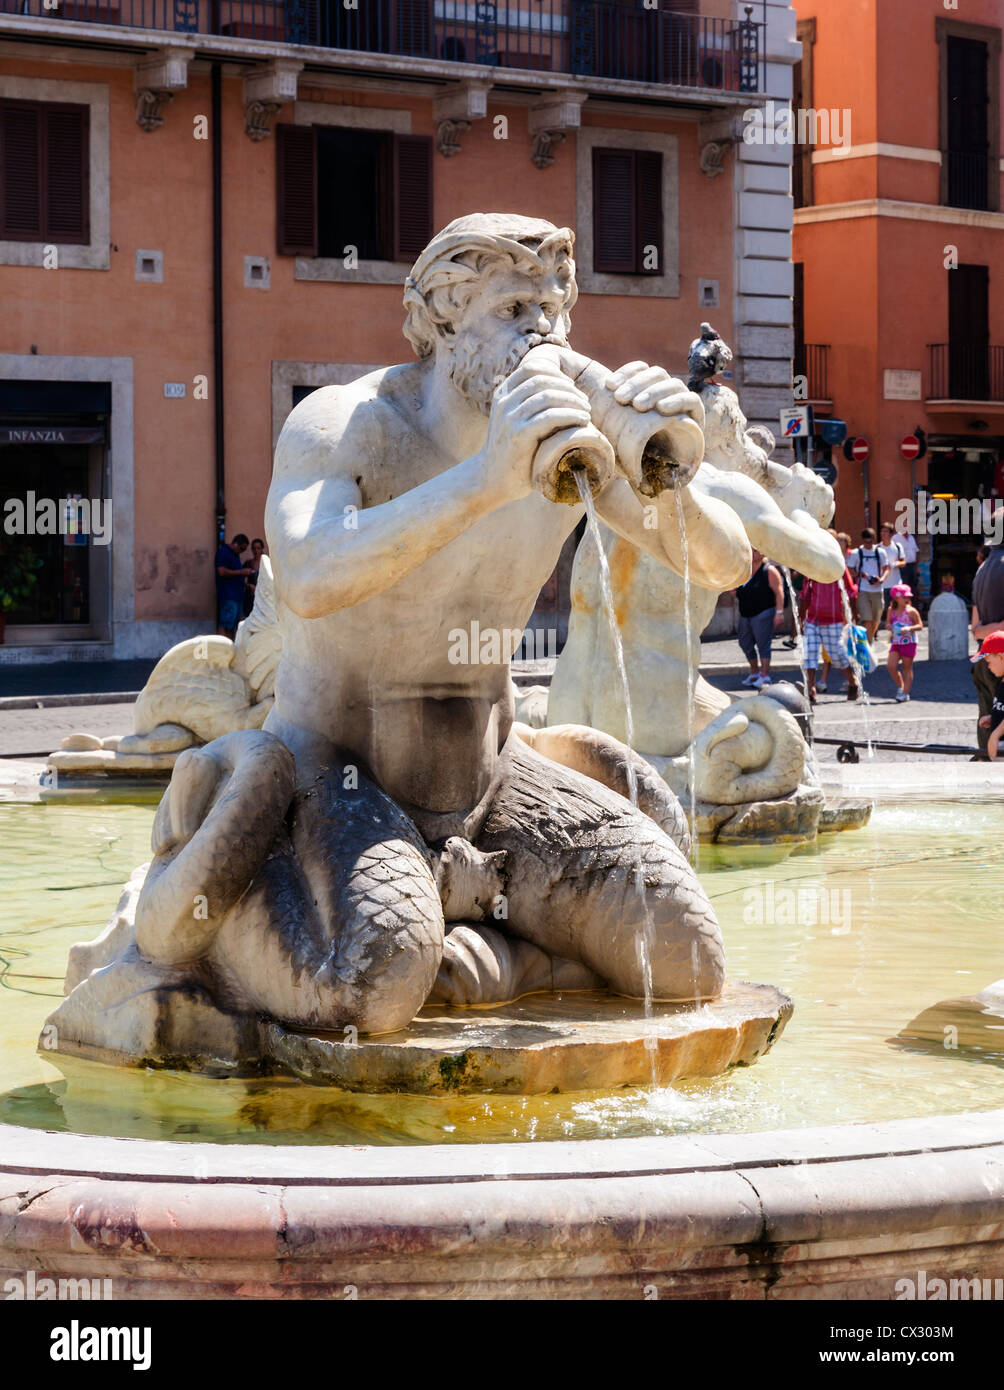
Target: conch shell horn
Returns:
[654, 451]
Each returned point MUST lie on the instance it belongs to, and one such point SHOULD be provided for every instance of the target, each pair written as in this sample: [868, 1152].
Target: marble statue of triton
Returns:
[391, 835]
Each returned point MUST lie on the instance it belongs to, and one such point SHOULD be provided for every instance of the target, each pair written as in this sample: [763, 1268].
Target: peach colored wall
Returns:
[161, 200]
[877, 288]
[842, 309]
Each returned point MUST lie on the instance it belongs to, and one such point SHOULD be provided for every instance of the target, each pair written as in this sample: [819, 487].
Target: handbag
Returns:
[857, 648]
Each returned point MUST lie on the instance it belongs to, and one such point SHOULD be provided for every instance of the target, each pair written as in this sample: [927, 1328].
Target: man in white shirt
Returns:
[870, 566]
[892, 548]
[911, 550]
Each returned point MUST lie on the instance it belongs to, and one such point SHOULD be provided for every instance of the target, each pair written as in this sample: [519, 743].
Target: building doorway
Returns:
[55, 522]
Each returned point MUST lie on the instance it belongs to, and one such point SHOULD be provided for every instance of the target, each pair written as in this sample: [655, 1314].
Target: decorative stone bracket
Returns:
[715, 139]
[713, 157]
[156, 79]
[454, 110]
[551, 123]
[266, 90]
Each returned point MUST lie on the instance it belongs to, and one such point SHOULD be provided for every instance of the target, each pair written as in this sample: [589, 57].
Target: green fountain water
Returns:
[865, 930]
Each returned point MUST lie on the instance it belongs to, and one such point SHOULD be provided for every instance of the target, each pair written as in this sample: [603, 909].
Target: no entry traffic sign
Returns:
[859, 449]
[910, 447]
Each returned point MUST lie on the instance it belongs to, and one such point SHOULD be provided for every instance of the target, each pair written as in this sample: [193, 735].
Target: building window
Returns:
[801, 100]
[970, 115]
[969, 333]
[341, 188]
[627, 211]
[44, 194]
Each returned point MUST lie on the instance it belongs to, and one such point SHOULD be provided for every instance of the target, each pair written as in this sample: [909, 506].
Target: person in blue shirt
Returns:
[230, 579]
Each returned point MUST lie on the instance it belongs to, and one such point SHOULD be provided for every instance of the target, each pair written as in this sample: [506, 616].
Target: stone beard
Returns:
[477, 368]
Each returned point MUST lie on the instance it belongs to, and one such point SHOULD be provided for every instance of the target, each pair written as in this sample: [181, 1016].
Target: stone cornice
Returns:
[888, 207]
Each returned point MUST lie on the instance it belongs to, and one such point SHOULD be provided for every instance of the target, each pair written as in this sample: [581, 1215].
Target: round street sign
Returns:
[827, 471]
[859, 449]
[910, 447]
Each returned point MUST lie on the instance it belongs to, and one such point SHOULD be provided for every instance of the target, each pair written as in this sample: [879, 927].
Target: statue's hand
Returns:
[805, 491]
[532, 403]
[652, 388]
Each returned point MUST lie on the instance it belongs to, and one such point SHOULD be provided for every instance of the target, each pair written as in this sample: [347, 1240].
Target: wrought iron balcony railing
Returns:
[967, 179]
[589, 38]
[966, 373]
[812, 360]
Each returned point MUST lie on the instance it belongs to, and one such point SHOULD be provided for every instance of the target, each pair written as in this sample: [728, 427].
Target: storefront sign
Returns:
[52, 434]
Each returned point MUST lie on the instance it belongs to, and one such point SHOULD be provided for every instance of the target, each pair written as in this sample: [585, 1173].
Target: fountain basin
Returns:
[853, 1211]
[545, 1043]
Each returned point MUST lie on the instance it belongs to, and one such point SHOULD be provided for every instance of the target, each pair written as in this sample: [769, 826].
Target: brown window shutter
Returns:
[66, 166]
[648, 209]
[296, 190]
[20, 171]
[613, 210]
[412, 195]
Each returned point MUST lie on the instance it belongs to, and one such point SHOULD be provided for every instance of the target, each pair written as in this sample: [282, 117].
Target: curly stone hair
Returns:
[446, 274]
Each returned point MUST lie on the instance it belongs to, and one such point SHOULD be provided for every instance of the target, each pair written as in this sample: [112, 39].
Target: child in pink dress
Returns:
[903, 622]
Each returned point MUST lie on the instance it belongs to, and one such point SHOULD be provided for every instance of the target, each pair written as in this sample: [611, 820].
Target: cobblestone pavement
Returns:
[24, 732]
[941, 710]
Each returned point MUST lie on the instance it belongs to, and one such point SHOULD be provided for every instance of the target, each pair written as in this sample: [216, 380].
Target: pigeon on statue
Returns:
[708, 355]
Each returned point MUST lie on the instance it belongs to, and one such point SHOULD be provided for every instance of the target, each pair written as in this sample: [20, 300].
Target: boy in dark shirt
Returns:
[992, 652]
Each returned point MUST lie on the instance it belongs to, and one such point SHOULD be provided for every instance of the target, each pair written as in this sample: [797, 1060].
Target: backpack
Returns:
[876, 556]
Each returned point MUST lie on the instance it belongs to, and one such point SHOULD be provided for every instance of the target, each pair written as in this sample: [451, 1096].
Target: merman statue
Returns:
[391, 835]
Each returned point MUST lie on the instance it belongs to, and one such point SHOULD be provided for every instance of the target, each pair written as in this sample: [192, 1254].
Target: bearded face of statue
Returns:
[509, 312]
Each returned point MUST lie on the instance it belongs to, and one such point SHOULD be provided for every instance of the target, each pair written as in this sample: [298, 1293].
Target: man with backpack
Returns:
[869, 564]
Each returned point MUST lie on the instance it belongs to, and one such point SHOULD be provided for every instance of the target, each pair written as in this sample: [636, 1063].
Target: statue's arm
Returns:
[718, 553]
[801, 544]
[328, 551]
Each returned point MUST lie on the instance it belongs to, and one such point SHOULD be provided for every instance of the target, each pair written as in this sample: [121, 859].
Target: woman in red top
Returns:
[845, 546]
[823, 620]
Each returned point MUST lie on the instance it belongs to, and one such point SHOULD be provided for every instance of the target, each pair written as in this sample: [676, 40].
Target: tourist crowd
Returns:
[841, 622]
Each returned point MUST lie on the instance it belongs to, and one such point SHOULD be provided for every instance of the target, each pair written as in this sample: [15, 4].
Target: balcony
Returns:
[618, 39]
[967, 179]
[965, 375]
[812, 360]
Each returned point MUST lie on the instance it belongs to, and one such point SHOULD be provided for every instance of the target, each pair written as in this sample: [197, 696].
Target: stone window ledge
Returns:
[365, 273]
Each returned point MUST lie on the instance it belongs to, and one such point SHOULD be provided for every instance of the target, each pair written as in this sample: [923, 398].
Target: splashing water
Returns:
[606, 588]
[646, 937]
[695, 852]
[799, 638]
[859, 675]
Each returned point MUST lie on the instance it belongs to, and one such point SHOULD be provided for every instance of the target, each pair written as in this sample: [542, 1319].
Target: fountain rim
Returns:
[116, 1160]
[839, 1211]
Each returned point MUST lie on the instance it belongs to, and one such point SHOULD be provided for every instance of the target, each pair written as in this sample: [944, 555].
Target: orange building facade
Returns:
[899, 257]
[210, 210]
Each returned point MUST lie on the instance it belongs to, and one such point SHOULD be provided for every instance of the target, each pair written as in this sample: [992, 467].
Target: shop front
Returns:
[56, 521]
[965, 481]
